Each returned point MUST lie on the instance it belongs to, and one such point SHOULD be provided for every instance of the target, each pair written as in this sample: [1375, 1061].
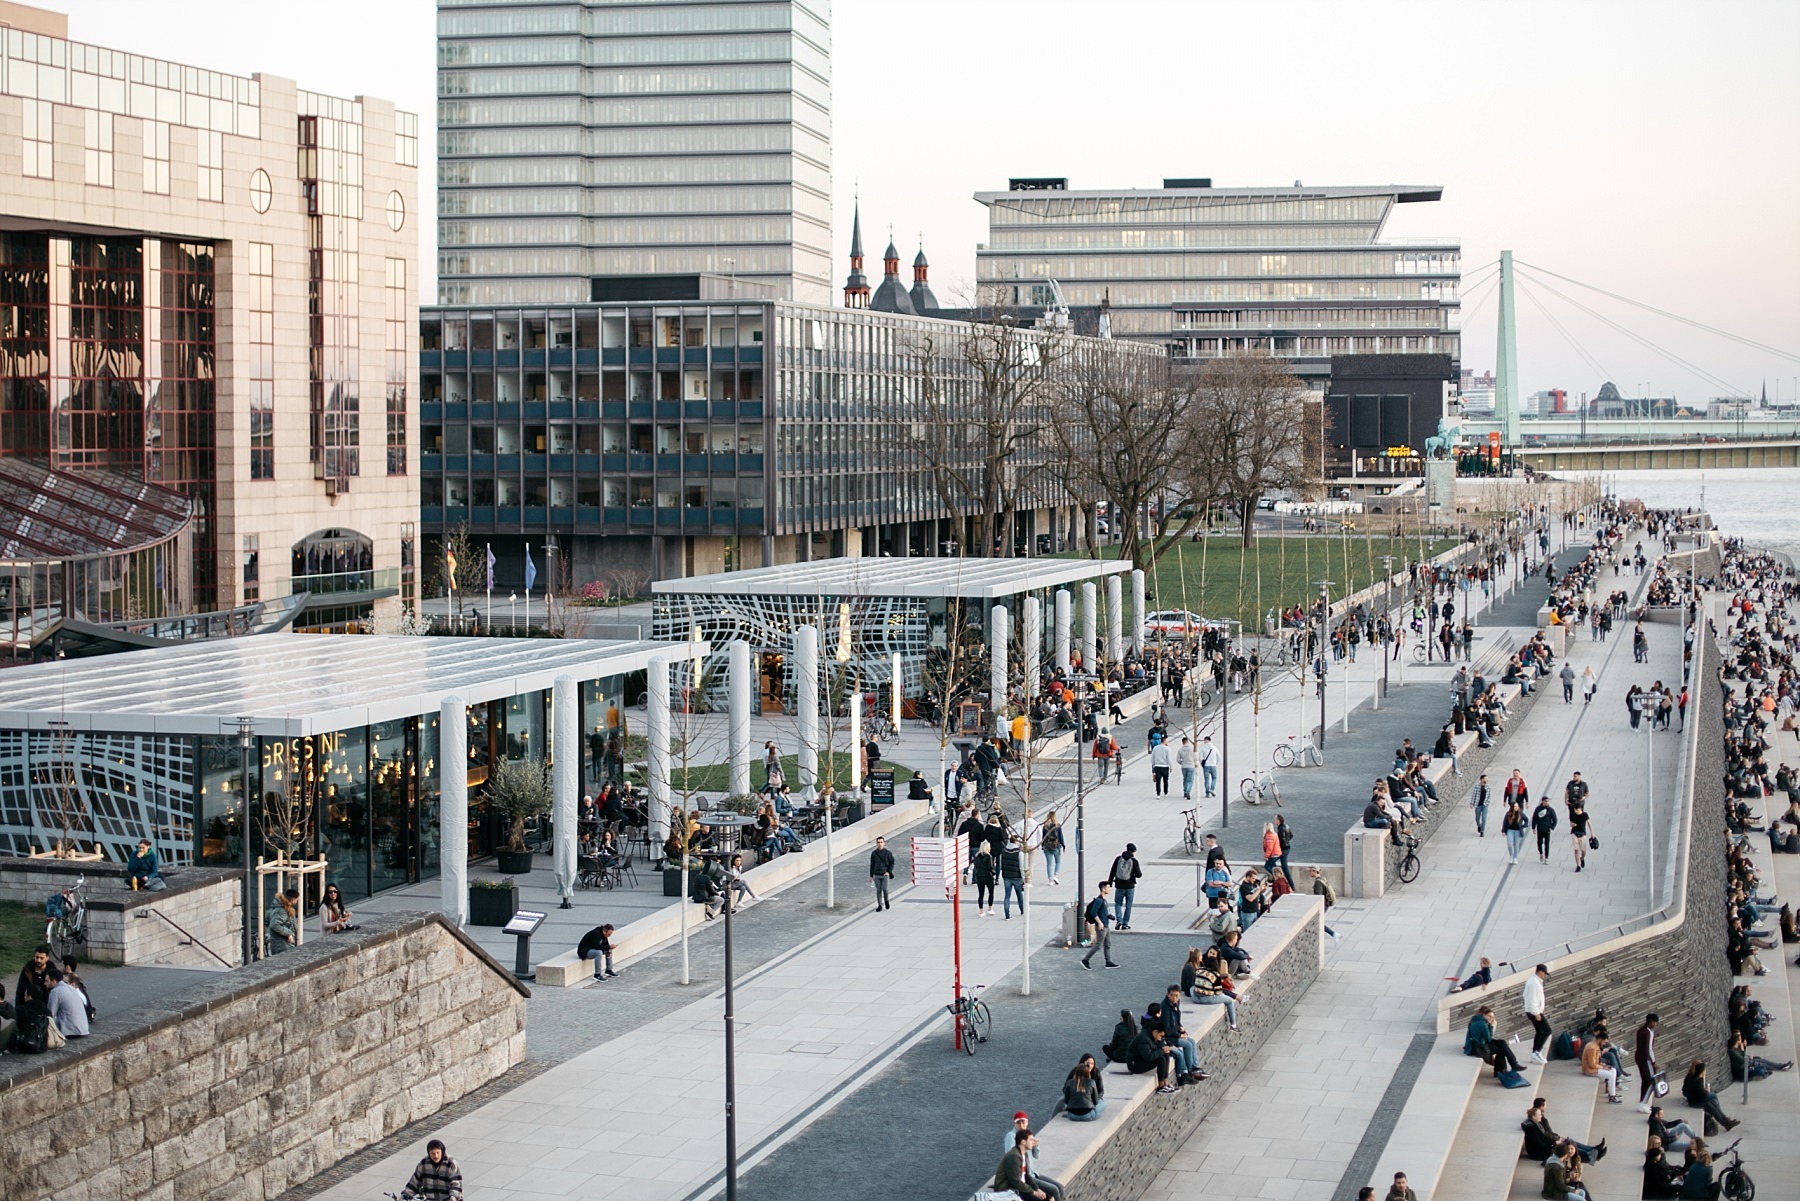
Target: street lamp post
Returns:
[246, 731]
[1387, 609]
[1324, 637]
[1079, 682]
[731, 1158]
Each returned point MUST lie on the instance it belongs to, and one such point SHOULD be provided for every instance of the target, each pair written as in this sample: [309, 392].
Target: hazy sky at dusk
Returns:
[1647, 147]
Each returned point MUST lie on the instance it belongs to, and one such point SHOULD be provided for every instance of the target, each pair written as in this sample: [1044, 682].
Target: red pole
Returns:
[956, 926]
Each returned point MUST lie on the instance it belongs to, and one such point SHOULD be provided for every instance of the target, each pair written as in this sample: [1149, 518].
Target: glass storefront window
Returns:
[220, 818]
[392, 830]
[343, 808]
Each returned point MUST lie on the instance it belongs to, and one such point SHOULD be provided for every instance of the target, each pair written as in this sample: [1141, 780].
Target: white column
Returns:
[1033, 642]
[806, 702]
[896, 690]
[1115, 620]
[997, 637]
[453, 809]
[856, 740]
[565, 708]
[656, 734]
[738, 665]
[1061, 622]
[1138, 612]
[1090, 626]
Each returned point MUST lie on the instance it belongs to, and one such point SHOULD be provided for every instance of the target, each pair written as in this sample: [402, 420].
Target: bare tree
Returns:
[974, 416]
[459, 565]
[1124, 432]
[1257, 430]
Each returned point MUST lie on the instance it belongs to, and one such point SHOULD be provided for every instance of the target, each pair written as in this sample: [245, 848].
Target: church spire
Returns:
[856, 285]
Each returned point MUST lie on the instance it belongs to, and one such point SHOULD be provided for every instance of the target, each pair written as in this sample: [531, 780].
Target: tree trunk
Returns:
[1247, 514]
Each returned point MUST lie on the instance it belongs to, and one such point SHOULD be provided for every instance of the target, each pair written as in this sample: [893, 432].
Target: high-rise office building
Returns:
[1301, 272]
[582, 139]
[208, 299]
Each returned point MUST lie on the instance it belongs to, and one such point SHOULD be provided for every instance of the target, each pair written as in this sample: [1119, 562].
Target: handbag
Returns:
[1660, 1082]
[1593, 842]
[53, 1038]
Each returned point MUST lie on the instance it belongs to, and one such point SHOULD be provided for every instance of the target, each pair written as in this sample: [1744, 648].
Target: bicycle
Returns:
[973, 1021]
[67, 925]
[1409, 862]
[1734, 1182]
[1190, 831]
[1293, 750]
[1256, 789]
[880, 727]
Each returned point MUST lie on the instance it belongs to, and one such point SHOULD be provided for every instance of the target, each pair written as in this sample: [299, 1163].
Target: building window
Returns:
[39, 154]
[99, 149]
[252, 568]
[396, 366]
[262, 192]
[409, 572]
[406, 139]
[212, 165]
[262, 361]
[156, 157]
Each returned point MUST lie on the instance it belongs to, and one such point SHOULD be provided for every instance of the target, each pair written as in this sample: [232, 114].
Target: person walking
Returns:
[987, 873]
[1581, 830]
[1543, 822]
[1535, 1007]
[1209, 766]
[1184, 759]
[1567, 676]
[881, 872]
[1590, 683]
[1284, 835]
[1125, 872]
[1161, 760]
[1012, 876]
[1098, 916]
[1516, 791]
[1479, 796]
[1645, 1057]
[1050, 841]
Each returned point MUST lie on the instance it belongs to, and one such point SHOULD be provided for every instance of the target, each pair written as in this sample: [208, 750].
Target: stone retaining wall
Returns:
[1122, 1167]
[239, 1088]
[136, 928]
[1673, 965]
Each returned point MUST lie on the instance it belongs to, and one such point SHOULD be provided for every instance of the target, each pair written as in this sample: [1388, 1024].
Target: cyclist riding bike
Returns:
[436, 1178]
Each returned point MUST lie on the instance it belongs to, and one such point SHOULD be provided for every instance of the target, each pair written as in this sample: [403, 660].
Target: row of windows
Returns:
[1043, 208]
[586, 438]
[1312, 348]
[571, 492]
[62, 72]
[709, 48]
[1401, 317]
[1051, 239]
[396, 361]
[586, 329]
[262, 363]
[599, 22]
[720, 259]
[999, 268]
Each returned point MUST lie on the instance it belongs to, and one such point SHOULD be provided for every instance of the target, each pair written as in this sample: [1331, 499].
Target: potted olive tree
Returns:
[518, 790]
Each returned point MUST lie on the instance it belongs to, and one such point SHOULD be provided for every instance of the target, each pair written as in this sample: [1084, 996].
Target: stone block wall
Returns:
[250, 1083]
[1124, 1166]
[126, 927]
[1674, 966]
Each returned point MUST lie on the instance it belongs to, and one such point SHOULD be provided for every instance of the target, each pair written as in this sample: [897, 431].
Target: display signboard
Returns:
[881, 787]
[939, 861]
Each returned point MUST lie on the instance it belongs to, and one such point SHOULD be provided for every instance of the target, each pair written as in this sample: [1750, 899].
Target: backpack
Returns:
[1564, 1046]
[56, 906]
[1121, 873]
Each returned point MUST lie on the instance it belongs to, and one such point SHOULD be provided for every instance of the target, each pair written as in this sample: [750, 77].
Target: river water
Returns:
[1761, 505]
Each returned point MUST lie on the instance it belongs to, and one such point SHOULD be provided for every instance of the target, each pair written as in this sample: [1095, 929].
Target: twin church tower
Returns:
[892, 296]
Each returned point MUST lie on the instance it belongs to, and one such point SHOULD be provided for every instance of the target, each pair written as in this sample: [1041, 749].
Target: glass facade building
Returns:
[1300, 272]
[345, 745]
[583, 139]
[669, 440]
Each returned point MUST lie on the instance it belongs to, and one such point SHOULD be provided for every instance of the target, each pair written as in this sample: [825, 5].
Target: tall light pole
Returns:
[246, 731]
[1324, 634]
[1387, 609]
[1079, 682]
[731, 1159]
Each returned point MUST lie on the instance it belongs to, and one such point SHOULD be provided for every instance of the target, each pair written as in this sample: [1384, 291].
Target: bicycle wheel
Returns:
[1315, 754]
[1249, 791]
[1409, 868]
[1190, 839]
[968, 1036]
[1206, 698]
[1419, 654]
[980, 1022]
[1284, 755]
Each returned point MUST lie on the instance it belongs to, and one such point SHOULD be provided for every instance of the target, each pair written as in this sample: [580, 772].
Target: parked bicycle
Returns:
[1259, 788]
[973, 1021]
[1294, 749]
[67, 925]
[1734, 1182]
[1190, 831]
[1409, 862]
[880, 728]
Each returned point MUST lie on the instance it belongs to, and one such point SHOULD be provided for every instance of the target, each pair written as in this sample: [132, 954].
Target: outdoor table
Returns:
[727, 826]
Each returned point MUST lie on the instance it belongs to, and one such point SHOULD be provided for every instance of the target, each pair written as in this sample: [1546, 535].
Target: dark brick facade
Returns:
[1124, 1167]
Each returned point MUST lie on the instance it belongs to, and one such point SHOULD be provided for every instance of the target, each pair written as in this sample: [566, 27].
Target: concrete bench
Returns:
[647, 933]
[1485, 1161]
[1571, 1097]
[1426, 1131]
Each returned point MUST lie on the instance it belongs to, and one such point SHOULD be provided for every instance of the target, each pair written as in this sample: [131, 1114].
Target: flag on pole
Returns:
[450, 568]
[530, 570]
[490, 561]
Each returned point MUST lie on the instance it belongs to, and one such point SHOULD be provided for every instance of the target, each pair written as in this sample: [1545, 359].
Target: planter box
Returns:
[492, 906]
[513, 863]
[671, 881]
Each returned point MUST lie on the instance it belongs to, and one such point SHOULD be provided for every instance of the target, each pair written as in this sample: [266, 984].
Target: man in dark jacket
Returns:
[881, 870]
[1125, 872]
[1186, 1054]
[1015, 1172]
[1012, 876]
[32, 996]
[1147, 1053]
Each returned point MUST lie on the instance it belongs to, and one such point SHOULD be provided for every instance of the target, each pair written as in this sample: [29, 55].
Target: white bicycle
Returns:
[1255, 789]
[1294, 749]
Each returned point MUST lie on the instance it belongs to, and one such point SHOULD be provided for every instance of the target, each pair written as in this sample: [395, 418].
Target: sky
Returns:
[1645, 147]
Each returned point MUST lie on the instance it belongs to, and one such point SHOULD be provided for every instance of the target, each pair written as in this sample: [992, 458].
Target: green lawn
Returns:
[21, 929]
[1216, 578]
[716, 777]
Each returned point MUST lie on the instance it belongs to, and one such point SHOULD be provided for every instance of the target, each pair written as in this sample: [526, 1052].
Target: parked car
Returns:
[1176, 623]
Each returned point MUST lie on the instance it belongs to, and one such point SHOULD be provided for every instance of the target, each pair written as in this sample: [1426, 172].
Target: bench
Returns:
[1485, 1159]
[1571, 1098]
[1427, 1128]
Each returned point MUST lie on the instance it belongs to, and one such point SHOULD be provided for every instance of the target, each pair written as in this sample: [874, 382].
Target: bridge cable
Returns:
[1699, 372]
[1701, 325]
[1592, 362]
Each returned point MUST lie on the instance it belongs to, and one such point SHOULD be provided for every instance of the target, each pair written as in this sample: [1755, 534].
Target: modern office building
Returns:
[580, 139]
[202, 275]
[344, 745]
[684, 438]
[1380, 409]
[1301, 272]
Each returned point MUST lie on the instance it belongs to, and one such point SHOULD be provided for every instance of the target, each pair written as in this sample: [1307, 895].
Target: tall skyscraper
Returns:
[582, 140]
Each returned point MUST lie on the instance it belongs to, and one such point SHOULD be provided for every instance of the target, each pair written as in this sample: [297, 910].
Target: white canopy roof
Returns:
[971, 579]
[294, 685]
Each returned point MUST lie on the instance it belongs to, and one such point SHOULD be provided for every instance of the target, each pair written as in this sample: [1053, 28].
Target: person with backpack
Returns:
[1125, 872]
[1543, 823]
[1098, 916]
[1103, 755]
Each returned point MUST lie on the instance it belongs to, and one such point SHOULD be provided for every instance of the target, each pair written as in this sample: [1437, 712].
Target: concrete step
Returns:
[1486, 1151]
[1571, 1097]
[1428, 1130]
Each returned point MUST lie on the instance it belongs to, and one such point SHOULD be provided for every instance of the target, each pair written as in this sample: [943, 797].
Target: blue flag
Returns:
[530, 569]
[491, 560]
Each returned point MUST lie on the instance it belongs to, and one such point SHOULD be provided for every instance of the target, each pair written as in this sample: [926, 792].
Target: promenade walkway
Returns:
[636, 1114]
